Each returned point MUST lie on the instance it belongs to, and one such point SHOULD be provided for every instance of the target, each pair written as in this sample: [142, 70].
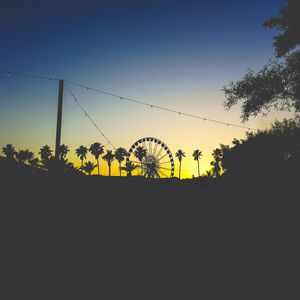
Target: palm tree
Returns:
[180, 154]
[97, 149]
[120, 154]
[63, 151]
[29, 156]
[129, 168]
[34, 162]
[209, 173]
[197, 154]
[9, 151]
[217, 155]
[140, 153]
[88, 167]
[81, 152]
[24, 155]
[21, 156]
[60, 166]
[109, 157]
[45, 153]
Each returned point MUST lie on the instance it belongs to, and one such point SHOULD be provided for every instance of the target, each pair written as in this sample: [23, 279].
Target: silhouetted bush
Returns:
[265, 153]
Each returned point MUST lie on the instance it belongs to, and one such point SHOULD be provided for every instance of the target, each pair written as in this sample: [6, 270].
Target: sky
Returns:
[175, 54]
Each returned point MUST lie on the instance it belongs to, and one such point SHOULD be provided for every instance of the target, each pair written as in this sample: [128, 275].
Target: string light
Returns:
[89, 117]
[132, 100]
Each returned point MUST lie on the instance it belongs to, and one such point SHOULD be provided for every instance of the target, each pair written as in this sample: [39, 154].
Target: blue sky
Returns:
[63, 37]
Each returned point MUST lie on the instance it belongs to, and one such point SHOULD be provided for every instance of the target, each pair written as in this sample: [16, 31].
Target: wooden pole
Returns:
[59, 116]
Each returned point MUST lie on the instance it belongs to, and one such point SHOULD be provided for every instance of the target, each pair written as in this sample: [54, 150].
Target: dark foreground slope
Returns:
[99, 238]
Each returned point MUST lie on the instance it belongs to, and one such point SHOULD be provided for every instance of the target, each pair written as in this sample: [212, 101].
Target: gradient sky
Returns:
[177, 54]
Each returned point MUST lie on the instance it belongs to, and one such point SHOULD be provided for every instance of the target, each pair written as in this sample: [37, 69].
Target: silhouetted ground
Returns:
[77, 237]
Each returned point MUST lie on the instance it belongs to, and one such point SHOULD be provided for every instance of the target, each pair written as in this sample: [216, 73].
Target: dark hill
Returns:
[79, 237]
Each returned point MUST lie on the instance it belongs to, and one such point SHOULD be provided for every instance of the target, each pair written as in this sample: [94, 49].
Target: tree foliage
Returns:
[277, 84]
[129, 168]
[97, 149]
[120, 154]
[180, 155]
[9, 151]
[81, 152]
[263, 153]
[88, 167]
[288, 23]
[109, 157]
[197, 154]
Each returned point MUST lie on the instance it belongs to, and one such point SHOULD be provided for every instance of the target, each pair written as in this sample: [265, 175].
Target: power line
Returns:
[89, 117]
[132, 100]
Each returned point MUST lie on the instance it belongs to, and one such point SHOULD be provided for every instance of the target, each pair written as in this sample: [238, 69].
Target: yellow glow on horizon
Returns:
[187, 143]
[189, 166]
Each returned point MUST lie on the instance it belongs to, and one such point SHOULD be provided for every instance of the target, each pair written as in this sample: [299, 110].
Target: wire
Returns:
[158, 107]
[9, 73]
[89, 117]
[132, 100]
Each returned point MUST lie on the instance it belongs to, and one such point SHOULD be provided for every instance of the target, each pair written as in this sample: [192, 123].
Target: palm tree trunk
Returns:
[109, 170]
[98, 166]
[120, 169]
[179, 170]
[198, 168]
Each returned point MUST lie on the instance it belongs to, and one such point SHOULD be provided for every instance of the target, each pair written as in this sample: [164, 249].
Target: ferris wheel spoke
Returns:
[144, 146]
[159, 152]
[155, 148]
[161, 172]
[164, 162]
[165, 168]
[163, 156]
[150, 147]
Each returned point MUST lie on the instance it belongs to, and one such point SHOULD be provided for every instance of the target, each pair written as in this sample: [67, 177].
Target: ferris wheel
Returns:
[152, 157]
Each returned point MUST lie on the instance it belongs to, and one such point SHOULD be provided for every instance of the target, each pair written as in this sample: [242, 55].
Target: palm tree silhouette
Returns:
[9, 151]
[197, 154]
[29, 156]
[209, 173]
[34, 162]
[24, 155]
[180, 154]
[63, 151]
[81, 152]
[45, 153]
[120, 154]
[151, 171]
[88, 167]
[140, 153]
[109, 157]
[129, 168]
[217, 155]
[97, 149]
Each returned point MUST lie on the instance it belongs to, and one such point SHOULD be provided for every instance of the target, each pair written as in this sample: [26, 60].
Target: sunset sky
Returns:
[176, 54]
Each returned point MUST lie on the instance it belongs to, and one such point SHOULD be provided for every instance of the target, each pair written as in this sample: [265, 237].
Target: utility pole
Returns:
[59, 116]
